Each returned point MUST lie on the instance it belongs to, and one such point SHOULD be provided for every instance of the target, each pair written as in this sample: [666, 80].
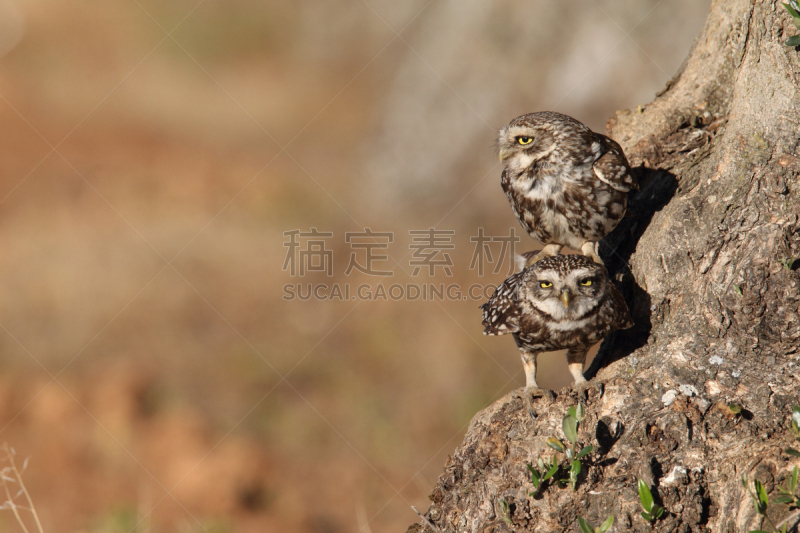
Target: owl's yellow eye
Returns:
[545, 284]
[524, 140]
[586, 282]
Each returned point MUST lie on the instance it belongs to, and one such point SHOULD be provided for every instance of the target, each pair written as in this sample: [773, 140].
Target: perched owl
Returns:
[567, 185]
[560, 302]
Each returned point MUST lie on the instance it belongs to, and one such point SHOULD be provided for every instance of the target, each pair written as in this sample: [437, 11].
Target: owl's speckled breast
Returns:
[565, 205]
[537, 333]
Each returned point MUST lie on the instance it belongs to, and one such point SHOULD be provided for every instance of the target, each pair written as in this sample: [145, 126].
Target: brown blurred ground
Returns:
[144, 192]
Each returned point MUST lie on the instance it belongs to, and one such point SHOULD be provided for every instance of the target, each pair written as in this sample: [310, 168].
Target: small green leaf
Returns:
[580, 412]
[607, 524]
[757, 531]
[645, 496]
[794, 14]
[556, 444]
[570, 427]
[574, 472]
[585, 528]
[783, 499]
[536, 476]
[550, 473]
[506, 511]
[763, 499]
[647, 517]
[735, 408]
[738, 290]
[585, 451]
[744, 482]
[658, 511]
[793, 482]
[793, 40]
[541, 463]
[571, 412]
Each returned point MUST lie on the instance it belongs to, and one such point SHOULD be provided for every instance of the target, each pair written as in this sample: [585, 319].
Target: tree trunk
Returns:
[705, 262]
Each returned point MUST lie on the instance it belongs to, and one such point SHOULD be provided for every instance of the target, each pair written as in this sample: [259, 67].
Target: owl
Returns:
[567, 185]
[560, 302]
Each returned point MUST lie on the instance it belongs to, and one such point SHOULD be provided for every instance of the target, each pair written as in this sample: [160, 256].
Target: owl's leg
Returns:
[576, 358]
[590, 249]
[548, 251]
[529, 364]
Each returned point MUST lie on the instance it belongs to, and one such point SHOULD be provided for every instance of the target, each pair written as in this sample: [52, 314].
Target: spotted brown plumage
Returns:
[560, 302]
[566, 184]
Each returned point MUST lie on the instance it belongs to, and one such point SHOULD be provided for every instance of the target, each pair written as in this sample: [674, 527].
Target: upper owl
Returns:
[566, 184]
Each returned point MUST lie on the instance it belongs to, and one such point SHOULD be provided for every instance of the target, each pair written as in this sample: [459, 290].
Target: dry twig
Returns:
[12, 474]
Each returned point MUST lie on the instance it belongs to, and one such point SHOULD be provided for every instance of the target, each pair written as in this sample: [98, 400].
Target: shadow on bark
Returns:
[657, 187]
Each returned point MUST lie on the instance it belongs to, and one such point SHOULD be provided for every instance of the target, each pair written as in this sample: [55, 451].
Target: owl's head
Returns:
[565, 286]
[535, 137]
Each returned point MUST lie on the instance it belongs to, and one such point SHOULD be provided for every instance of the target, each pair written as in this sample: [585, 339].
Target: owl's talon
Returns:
[548, 251]
[525, 395]
[530, 262]
[583, 387]
[538, 392]
[529, 405]
[590, 250]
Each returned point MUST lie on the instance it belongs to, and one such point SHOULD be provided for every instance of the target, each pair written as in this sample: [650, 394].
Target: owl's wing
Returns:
[612, 166]
[501, 312]
[620, 309]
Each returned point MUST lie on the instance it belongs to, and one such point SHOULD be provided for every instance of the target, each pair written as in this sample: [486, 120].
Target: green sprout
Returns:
[569, 473]
[652, 511]
[587, 528]
[794, 426]
[787, 262]
[788, 494]
[569, 425]
[505, 510]
[761, 504]
[794, 10]
[540, 475]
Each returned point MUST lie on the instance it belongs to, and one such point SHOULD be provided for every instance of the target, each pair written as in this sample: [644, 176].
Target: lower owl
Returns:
[560, 302]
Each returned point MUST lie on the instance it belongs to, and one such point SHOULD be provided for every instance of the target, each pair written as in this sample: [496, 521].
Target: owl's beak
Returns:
[504, 154]
[566, 296]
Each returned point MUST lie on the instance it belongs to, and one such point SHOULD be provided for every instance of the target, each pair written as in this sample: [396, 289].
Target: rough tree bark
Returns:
[705, 263]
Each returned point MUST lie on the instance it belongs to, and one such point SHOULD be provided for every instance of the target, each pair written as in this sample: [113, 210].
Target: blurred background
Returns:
[155, 158]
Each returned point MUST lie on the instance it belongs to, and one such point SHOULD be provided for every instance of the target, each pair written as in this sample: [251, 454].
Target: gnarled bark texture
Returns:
[705, 263]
